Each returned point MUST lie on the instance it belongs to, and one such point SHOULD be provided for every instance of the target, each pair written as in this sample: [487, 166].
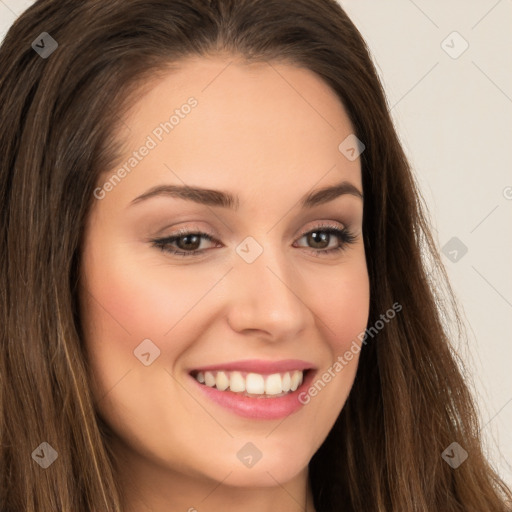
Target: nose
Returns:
[268, 296]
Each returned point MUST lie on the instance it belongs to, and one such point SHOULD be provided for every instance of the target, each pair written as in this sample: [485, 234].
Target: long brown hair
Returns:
[59, 117]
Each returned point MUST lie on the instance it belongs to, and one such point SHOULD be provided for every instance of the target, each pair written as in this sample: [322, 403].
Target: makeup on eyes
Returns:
[322, 231]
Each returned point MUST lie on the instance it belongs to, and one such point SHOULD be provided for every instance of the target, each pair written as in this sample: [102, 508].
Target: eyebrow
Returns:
[224, 199]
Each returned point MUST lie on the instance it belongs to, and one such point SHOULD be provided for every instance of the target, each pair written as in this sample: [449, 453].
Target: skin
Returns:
[270, 134]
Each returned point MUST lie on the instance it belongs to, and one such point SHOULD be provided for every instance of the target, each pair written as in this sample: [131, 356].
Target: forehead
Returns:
[258, 126]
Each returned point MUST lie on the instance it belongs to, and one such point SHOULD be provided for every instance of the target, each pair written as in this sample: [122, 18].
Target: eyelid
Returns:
[324, 225]
[190, 231]
[194, 229]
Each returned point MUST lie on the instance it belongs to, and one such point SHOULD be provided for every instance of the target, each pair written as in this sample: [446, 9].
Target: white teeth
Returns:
[286, 382]
[253, 383]
[296, 380]
[273, 384]
[221, 381]
[209, 379]
[236, 382]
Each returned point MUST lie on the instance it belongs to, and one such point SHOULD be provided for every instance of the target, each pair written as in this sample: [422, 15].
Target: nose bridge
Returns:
[267, 293]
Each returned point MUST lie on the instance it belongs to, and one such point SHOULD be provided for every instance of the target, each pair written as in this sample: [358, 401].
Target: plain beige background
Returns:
[446, 70]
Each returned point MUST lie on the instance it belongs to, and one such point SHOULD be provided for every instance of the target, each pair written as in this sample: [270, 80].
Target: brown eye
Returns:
[187, 243]
[319, 238]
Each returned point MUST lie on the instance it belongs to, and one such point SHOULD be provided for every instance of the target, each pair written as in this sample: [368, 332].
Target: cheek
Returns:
[342, 301]
[138, 298]
[131, 299]
[123, 306]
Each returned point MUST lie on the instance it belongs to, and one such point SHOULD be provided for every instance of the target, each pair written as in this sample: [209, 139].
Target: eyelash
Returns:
[344, 235]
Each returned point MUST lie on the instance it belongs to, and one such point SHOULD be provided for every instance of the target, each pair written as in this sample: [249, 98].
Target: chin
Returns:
[264, 473]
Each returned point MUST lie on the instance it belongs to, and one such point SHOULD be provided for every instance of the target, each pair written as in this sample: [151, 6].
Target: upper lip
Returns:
[259, 366]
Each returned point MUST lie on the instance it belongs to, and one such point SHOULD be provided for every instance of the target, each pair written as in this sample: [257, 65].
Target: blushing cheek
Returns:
[137, 300]
[112, 311]
[346, 308]
[341, 301]
[107, 341]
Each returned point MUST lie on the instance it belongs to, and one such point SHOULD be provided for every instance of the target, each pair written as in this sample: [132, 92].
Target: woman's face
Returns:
[263, 297]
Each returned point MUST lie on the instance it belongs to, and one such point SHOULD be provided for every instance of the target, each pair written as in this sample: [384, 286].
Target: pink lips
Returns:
[259, 366]
[258, 407]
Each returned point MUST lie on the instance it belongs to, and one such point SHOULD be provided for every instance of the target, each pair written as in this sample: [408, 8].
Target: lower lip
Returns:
[259, 408]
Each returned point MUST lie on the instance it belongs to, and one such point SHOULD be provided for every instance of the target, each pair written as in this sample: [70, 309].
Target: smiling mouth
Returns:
[250, 384]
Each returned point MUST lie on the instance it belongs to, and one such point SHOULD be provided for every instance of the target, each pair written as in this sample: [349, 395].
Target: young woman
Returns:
[214, 282]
